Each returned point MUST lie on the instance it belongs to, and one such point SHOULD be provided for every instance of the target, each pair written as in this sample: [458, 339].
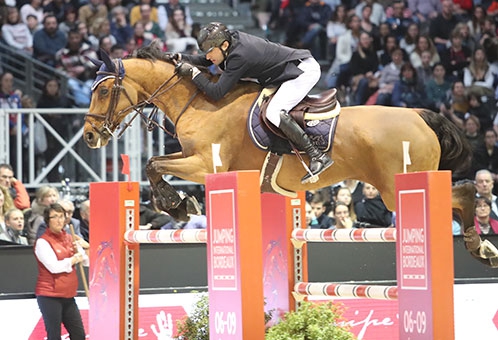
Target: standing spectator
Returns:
[75, 61]
[85, 220]
[441, 27]
[483, 222]
[14, 223]
[120, 28]
[179, 34]
[17, 190]
[437, 88]
[34, 7]
[313, 20]
[364, 69]
[48, 40]
[371, 210]
[424, 43]
[407, 91]
[16, 33]
[318, 205]
[388, 77]
[90, 12]
[484, 180]
[456, 57]
[44, 197]
[57, 253]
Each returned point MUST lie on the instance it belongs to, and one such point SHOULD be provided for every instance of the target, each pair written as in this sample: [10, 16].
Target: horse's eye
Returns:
[104, 91]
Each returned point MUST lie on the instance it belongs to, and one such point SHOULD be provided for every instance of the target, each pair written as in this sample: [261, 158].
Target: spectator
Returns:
[179, 34]
[478, 74]
[6, 203]
[90, 12]
[371, 210]
[33, 24]
[56, 253]
[486, 156]
[75, 61]
[364, 70]
[196, 222]
[388, 77]
[343, 194]
[120, 28]
[169, 7]
[456, 57]
[58, 8]
[151, 219]
[34, 7]
[424, 10]
[378, 15]
[16, 33]
[424, 43]
[157, 14]
[472, 130]
[117, 52]
[69, 21]
[44, 197]
[68, 206]
[311, 221]
[390, 44]
[425, 71]
[141, 37]
[483, 222]
[480, 111]
[318, 205]
[437, 88]
[409, 41]
[476, 22]
[85, 220]
[456, 105]
[442, 26]
[16, 188]
[407, 91]
[398, 21]
[14, 223]
[342, 218]
[484, 180]
[48, 40]
[336, 27]
[468, 40]
[150, 25]
[130, 46]
[462, 8]
[101, 28]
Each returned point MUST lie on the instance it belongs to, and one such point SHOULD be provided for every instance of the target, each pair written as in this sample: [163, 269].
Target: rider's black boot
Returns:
[319, 160]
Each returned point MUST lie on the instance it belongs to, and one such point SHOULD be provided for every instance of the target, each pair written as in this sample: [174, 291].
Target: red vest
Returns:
[61, 284]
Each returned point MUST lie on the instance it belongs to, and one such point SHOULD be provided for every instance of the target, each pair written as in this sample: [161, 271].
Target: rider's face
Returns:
[216, 54]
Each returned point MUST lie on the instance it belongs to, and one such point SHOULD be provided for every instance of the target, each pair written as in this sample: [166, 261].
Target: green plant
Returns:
[311, 321]
[196, 326]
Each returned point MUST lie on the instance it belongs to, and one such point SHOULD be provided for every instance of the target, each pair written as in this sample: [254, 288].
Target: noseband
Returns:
[112, 121]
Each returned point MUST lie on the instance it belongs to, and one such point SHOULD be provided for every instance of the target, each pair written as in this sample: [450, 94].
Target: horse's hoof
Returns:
[165, 195]
[188, 206]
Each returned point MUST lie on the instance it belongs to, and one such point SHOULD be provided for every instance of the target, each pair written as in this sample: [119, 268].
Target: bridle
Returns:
[112, 121]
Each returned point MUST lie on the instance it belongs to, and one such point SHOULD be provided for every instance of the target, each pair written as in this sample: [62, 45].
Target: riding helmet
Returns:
[213, 35]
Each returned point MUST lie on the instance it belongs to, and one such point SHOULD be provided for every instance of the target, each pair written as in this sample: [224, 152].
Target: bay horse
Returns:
[367, 143]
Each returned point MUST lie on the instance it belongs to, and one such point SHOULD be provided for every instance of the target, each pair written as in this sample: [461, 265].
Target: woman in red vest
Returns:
[56, 254]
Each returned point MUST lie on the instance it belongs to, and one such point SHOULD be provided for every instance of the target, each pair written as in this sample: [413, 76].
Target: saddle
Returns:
[323, 102]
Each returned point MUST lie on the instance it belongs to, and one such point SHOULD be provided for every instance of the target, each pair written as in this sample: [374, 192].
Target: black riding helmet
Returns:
[213, 35]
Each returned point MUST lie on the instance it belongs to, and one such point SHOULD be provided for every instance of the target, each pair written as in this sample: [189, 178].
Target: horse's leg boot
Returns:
[320, 161]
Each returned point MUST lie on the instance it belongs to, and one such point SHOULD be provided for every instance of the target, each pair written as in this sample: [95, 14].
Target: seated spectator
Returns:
[407, 91]
[157, 14]
[456, 105]
[140, 36]
[85, 220]
[70, 20]
[425, 71]
[378, 15]
[437, 88]
[14, 224]
[424, 43]
[33, 24]
[455, 58]
[424, 11]
[486, 156]
[117, 52]
[476, 21]
[312, 20]
[48, 41]
[468, 40]
[151, 219]
[179, 34]
[336, 27]
[388, 77]
[75, 61]
[101, 28]
[318, 205]
[478, 74]
[484, 224]
[59, 9]
[371, 211]
[69, 222]
[196, 222]
[120, 27]
[168, 8]
[16, 33]
[150, 25]
[34, 7]
[398, 21]
[368, 26]
[44, 197]
[90, 12]
[442, 26]
[479, 110]
[311, 221]
[343, 194]
[16, 188]
[409, 41]
[472, 130]
[484, 182]
[390, 44]
[364, 70]
[342, 218]
[6, 203]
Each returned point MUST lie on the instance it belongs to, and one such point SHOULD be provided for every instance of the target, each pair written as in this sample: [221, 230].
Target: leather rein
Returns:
[111, 119]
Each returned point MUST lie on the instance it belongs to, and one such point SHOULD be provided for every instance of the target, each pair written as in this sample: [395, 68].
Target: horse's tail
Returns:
[456, 152]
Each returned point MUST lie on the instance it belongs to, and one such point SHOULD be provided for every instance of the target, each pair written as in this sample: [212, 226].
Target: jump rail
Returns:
[299, 236]
[166, 236]
[303, 289]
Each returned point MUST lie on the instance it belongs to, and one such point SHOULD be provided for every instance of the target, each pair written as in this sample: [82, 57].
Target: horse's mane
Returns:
[151, 52]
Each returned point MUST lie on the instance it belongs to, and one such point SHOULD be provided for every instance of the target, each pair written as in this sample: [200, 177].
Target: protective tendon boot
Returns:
[319, 160]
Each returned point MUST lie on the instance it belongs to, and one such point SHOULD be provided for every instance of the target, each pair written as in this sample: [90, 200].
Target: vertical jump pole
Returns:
[424, 255]
[114, 264]
[234, 254]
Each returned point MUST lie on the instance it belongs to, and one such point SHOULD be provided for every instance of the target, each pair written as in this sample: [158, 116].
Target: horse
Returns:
[367, 143]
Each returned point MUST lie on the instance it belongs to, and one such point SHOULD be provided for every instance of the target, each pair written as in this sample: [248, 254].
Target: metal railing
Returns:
[73, 159]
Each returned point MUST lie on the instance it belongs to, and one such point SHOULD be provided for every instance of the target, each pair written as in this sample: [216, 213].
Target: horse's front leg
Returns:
[166, 197]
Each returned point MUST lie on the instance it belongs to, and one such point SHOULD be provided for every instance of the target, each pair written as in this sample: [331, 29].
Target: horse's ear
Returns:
[107, 61]
[96, 62]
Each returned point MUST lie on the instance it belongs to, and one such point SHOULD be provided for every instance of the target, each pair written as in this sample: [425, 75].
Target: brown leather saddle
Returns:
[323, 102]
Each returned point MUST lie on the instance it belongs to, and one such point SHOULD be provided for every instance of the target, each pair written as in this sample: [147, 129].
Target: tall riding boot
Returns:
[319, 160]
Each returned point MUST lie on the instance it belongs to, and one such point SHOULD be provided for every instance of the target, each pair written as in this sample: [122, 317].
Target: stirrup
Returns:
[313, 177]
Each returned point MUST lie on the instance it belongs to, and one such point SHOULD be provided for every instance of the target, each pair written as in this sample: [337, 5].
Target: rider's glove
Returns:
[472, 239]
[187, 70]
[172, 57]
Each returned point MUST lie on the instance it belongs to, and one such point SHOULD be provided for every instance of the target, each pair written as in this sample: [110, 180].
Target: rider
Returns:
[241, 55]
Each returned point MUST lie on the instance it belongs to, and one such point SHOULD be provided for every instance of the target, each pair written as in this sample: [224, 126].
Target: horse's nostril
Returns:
[89, 136]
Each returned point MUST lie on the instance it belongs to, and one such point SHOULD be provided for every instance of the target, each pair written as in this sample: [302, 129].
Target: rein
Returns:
[111, 124]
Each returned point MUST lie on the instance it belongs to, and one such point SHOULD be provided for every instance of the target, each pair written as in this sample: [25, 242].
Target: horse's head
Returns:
[112, 99]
